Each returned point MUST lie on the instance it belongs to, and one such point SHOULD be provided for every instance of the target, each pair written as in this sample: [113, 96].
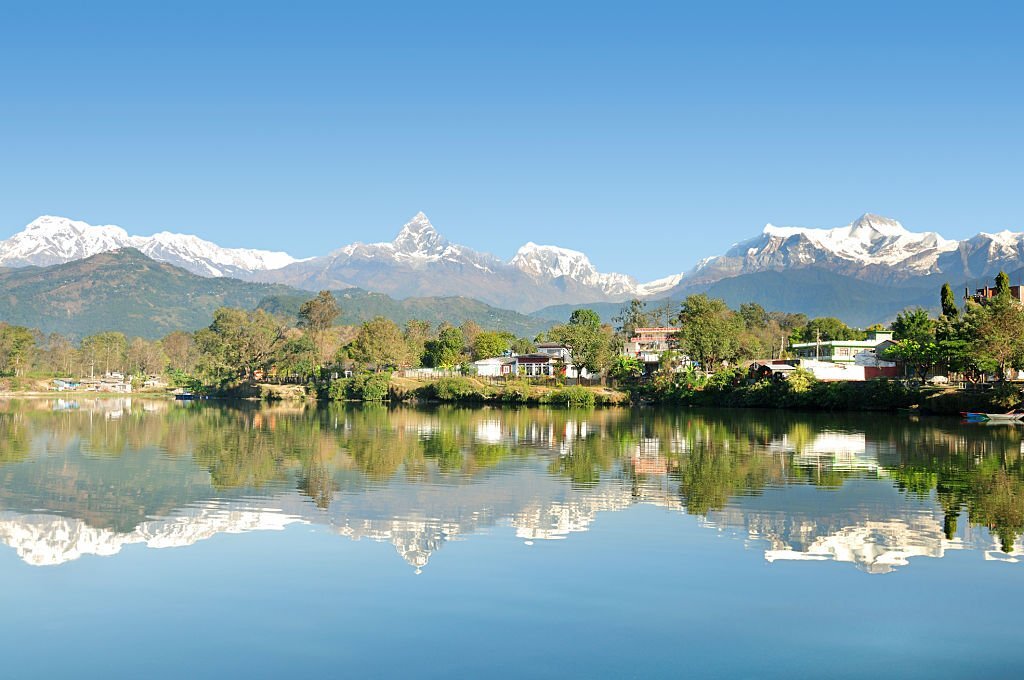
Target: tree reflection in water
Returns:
[113, 464]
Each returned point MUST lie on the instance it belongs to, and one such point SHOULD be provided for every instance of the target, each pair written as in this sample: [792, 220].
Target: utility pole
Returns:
[817, 344]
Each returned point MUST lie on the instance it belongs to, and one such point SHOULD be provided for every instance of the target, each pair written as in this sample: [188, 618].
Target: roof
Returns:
[493, 360]
[534, 358]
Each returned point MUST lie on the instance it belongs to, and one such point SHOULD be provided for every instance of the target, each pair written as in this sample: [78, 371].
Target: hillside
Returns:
[819, 292]
[358, 305]
[126, 291]
[121, 290]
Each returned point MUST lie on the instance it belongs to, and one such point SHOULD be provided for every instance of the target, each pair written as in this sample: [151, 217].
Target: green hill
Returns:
[358, 305]
[126, 291]
[121, 290]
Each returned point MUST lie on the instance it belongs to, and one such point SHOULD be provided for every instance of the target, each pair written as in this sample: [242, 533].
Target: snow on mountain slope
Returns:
[420, 261]
[552, 262]
[871, 247]
[418, 243]
[870, 239]
[51, 240]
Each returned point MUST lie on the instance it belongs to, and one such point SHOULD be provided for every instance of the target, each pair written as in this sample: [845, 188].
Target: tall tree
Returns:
[181, 351]
[17, 349]
[914, 324]
[491, 344]
[709, 331]
[633, 315]
[417, 333]
[316, 317]
[381, 344]
[1002, 284]
[104, 352]
[447, 351]
[997, 334]
[239, 341]
[587, 341]
[949, 306]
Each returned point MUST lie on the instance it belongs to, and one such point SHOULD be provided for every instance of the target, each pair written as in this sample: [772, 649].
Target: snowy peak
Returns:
[869, 240]
[867, 227]
[418, 236]
[552, 262]
[51, 240]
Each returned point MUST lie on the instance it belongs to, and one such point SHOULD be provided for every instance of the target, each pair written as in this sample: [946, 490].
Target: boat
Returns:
[976, 417]
[185, 396]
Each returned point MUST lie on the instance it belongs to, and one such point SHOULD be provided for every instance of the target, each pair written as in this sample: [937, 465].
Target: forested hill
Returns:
[122, 291]
[358, 305]
[128, 292]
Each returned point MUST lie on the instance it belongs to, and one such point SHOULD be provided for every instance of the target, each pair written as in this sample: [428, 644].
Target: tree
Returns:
[996, 332]
[297, 356]
[447, 350]
[17, 349]
[1002, 285]
[491, 344]
[949, 306]
[626, 369]
[633, 315]
[104, 351]
[522, 346]
[754, 316]
[470, 329]
[829, 328]
[588, 343]
[317, 316]
[919, 356]
[145, 357]
[59, 355]
[417, 333]
[239, 342]
[914, 324]
[381, 344]
[180, 349]
[709, 330]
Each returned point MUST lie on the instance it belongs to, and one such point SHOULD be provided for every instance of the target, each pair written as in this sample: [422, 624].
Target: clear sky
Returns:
[647, 135]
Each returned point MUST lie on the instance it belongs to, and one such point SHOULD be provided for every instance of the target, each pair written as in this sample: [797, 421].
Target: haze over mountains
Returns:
[863, 272]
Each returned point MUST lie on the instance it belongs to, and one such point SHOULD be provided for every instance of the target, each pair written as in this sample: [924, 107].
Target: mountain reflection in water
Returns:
[92, 476]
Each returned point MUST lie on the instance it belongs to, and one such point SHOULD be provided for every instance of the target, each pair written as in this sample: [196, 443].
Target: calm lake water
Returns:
[161, 539]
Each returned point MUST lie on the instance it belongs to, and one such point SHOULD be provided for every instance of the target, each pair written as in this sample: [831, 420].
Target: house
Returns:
[536, 365]
[983, 294]
[770, 369]
[64, 385]
[832, 371]
[839, 351]
[649, 344]
[155, 382]
[495, 367]
[561, 360]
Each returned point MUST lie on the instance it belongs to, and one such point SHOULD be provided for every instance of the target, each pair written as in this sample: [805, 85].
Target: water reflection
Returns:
[90, 477]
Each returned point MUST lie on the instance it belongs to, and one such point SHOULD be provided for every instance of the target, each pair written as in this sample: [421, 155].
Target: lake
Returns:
[177, 539]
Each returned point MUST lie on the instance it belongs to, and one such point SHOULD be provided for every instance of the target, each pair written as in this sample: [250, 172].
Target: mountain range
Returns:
[125, 290]
[863, 272]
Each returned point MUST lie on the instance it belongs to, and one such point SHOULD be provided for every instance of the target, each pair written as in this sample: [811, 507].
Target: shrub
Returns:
[516, 392]
[452, 389]
[571, 396]
[339, 389]
[373, 386]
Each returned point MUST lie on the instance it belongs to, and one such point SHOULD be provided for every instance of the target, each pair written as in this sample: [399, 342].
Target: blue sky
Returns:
[648, 135]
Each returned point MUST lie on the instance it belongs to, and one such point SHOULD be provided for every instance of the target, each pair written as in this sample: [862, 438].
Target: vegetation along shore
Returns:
[698, 352]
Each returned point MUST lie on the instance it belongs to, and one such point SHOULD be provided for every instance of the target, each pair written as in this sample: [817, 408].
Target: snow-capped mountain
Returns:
[51, 240]
[420, 261]
[871, 247]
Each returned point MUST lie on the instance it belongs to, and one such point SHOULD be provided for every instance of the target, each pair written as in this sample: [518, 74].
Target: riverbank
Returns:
[806, 394]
